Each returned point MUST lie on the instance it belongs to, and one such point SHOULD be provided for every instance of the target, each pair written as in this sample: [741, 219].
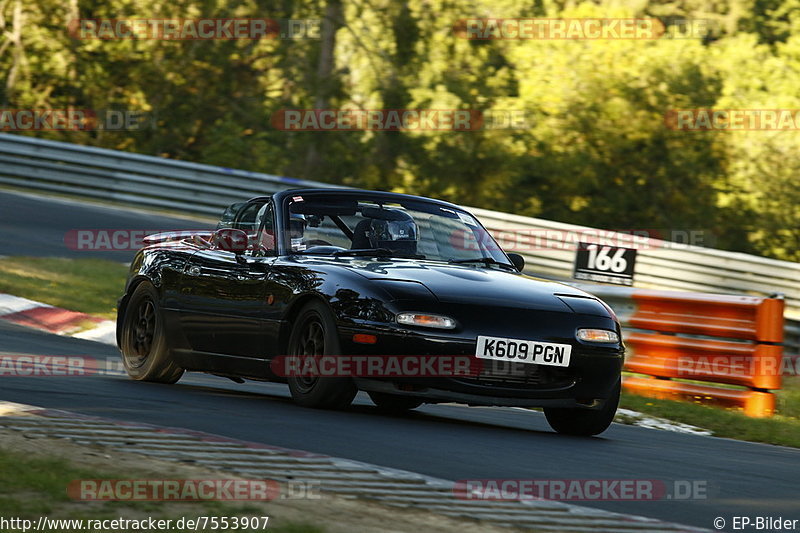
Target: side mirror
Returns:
[231, 240]
[517, 260]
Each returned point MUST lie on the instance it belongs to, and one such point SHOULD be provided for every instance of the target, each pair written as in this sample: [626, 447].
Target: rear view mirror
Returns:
[517, 260]
[231, 240]
[329, 207]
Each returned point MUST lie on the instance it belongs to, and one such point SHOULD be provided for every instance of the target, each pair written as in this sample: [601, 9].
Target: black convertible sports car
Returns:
[360, 275]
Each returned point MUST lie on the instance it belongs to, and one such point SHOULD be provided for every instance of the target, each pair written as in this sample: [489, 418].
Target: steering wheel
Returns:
[318, 242]
[323, 250]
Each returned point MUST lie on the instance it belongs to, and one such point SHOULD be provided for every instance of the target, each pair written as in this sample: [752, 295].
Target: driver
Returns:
[297, 230]
[395, 230]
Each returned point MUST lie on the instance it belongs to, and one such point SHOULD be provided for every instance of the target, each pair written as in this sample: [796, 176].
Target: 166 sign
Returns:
[603, 263]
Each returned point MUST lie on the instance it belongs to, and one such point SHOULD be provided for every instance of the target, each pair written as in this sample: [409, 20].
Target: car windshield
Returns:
[383, 226]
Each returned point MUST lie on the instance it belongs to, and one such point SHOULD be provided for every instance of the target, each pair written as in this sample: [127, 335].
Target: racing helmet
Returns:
[297, 225]
[393, 229]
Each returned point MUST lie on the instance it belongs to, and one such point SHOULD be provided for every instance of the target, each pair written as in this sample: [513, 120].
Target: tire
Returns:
[584, 422]
[392, 403]
[314, 333]
[144, 345]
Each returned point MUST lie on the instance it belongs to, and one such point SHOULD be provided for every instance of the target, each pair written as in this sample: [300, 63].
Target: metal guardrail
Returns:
[131, 178]
[42, 165]
[659, 264]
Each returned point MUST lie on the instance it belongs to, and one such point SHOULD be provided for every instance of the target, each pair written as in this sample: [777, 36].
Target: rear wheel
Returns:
[144, 347]
[584, 422]
[314, 334]
[394, 404]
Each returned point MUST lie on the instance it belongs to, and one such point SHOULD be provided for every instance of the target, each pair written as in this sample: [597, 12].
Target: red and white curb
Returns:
[331, 475]
[635, 418]
[57, 320]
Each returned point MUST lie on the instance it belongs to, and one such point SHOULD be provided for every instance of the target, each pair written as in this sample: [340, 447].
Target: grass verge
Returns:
[782, 429]
[87, 285]
[36, 486]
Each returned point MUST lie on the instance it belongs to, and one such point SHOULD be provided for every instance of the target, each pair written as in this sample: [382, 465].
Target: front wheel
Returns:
[144, 346]
[584, 422]
[314, 334]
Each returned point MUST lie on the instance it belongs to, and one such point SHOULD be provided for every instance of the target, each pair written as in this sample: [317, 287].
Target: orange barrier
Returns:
[755, 403]
[730, 340]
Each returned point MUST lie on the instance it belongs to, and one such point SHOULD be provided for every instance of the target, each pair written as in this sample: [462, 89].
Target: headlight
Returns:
[428, 321]
[598, 335]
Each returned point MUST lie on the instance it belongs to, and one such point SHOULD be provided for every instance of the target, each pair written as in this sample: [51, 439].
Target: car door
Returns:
[223, 299]
[223, 296]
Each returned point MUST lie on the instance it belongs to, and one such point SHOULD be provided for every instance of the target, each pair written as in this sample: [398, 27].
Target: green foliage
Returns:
[594, 149]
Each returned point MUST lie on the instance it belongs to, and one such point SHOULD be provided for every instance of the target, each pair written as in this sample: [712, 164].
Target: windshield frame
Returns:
[282, 201]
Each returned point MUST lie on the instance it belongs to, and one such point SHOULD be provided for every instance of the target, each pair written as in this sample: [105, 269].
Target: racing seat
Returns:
[360, 238]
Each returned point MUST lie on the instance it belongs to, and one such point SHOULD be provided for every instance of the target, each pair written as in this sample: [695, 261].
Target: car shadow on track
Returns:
[513, 420]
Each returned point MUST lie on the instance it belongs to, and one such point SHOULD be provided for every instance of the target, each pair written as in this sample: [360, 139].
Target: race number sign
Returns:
[606, 264]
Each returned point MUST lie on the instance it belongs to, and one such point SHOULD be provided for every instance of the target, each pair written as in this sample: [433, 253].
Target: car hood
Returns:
[478, 285]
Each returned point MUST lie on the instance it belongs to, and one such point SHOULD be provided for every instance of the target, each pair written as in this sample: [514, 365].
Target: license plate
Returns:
[522, 351]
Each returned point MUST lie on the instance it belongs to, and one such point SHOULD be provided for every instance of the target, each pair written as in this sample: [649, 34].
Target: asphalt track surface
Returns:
[446, 441]
[35, 226]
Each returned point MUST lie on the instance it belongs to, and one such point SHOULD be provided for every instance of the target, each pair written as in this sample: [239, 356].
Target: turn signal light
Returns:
[427, 321]
[363, 338]
[598, 335]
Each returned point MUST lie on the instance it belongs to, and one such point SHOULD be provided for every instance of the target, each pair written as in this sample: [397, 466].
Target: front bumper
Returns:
[588, 380]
